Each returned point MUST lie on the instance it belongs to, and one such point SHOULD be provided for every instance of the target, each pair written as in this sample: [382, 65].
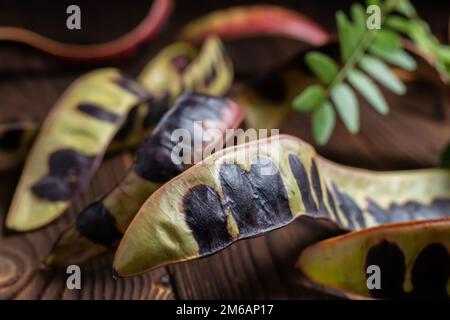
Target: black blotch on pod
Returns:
[317, 187]
[258, 199]
[391, 261]
[127, 127]
[210, 76]
[430, 272]
[301, 177]
[131, 86]
[98, 112]
[11, 140]
[411, 210]
[180, 62]
[206, 217]
[154, 159]
[68, 170]
[98, 225]
[349, 208]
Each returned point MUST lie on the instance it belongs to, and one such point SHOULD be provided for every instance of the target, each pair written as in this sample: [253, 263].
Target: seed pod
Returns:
[256, 20]
[100, 226]
[70, 145]
[400, 261]
[253, 188]
[124, 46]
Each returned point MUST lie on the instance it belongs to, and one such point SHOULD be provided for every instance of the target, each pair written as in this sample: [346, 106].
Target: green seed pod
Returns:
[411, 261]
[70, 145]
[100, 226]
[253, 188]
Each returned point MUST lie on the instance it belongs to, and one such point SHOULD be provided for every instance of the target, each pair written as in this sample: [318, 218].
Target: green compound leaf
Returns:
[347, 106]
[367, 88]
[381, 72]
[323, 122]
[309, 98]
[322, 66]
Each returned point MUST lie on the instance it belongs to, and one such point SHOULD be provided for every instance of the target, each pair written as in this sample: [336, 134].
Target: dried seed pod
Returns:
[256, 20]
[70, 145]
[408, 260]
[100, 226]
[256, 187]
[123, 46]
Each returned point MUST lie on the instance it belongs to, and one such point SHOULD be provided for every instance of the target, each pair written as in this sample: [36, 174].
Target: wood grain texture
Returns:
[411, 136]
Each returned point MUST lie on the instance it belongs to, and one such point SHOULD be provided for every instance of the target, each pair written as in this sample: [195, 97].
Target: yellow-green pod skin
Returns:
[413, 261]
[70, 145]
[231, 196]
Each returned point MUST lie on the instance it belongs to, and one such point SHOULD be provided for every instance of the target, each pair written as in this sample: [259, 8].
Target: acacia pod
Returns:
[413, 260]
[253, 188]
[70, 145]
[123, 46]
[100, 226]
[256, 20]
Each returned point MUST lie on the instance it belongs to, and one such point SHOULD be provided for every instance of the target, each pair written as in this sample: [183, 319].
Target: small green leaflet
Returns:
[368, 90]
[347, 106]
[323, 121]
[381, 72]
[322, 66]
[309, 98]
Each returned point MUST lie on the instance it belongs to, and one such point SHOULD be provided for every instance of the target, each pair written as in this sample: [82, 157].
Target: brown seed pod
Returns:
[70, 145]
[253, 188]
[100, 226]
[413, 260]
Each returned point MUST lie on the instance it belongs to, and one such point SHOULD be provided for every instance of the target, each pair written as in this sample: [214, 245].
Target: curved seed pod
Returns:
[256, 187]
[100, 226]
[413, 260]
[70, 145]
[257, 20]
[15, 140]
[123, 46]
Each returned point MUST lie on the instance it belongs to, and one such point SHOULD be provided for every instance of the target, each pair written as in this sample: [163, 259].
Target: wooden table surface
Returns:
[411, 136]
